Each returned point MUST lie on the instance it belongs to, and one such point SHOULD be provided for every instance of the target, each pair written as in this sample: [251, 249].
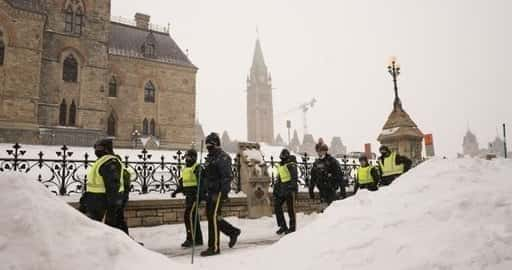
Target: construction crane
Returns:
[304, 107]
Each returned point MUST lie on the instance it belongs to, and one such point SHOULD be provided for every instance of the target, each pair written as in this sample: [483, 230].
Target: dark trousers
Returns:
[327, 195]
[191, 208]
[96, 209]
[369, 186]
[121, 220]
[278, 209]
[387, 180]
[216, 223]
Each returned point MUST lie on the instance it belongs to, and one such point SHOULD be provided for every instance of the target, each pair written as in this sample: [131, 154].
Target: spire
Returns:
[258, 62]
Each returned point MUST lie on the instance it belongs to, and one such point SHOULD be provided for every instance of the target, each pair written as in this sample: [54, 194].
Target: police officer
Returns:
[218, 176]
[103, 199]
[367, 176]
[326, 174]
[188, 185]
[392, 165]
[285, 190]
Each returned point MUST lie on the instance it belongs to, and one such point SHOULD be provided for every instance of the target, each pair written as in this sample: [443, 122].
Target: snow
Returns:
[40, 231]
[389, 131]
[444, 214]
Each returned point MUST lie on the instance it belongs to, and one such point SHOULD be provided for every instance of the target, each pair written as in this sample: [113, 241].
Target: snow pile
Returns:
[445, 214]
[40, 231]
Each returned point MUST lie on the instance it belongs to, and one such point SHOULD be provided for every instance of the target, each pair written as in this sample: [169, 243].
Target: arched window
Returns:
[145, 128]
[111, 125]
[152, 128]
[72, 114]
[149, 92]
[68, 20]
[62, 113]
[2, 48]
[70, 69]
[79, 21]
[112, 87]
[74, 16]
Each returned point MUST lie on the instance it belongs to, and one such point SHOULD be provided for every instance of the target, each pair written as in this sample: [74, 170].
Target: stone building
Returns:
[260, 112]
[337, 147]
[401, 134]
[470, 145]
[70, 75]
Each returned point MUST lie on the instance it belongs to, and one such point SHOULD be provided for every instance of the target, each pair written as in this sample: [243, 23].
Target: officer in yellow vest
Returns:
[392, 165]
[367, 176]
[285, 190]
[188, 185]
[103, 198]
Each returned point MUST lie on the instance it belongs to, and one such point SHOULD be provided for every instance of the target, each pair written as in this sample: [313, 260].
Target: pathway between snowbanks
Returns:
[40, 231]
[445, 214]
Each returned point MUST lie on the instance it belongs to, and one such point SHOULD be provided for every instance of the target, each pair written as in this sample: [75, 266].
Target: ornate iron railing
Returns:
[65, 175]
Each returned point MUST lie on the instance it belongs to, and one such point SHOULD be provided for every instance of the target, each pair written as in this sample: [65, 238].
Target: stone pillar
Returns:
[255, 180]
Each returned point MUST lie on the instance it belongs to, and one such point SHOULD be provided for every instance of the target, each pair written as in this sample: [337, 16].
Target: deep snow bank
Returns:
[40, 231]
[445, 214]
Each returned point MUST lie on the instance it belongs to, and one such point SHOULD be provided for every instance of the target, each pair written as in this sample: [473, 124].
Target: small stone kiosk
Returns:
[255, 180]
[400, 133]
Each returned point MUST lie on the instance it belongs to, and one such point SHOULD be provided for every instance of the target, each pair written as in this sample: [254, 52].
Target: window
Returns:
[70, 69]
[79, 21]
[74, 17]
[149, 50]
[145, 128]
[111, 125]
[112, 87]
[152, 128]
[68, 20]
[62, 113]
[2, 52]
[72, 114]
[149, 92]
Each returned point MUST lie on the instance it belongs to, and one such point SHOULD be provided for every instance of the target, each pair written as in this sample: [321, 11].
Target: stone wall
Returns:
[160, 212]
[174, 107]
[22, 33]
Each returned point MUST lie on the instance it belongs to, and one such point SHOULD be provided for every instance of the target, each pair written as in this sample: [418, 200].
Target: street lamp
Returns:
[288, 126]
[394, 71]
[135, 137]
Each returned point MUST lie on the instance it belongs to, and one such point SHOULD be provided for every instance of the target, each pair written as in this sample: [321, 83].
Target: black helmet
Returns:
[285, 154]
[213, 139]
[363, 158]
[105, 144]
[384, 148]
[191, 153]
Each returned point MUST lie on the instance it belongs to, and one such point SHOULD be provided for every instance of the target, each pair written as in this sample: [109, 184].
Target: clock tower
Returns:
[260, 113]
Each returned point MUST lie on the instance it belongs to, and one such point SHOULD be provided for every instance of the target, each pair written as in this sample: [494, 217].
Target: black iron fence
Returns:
[65, 174]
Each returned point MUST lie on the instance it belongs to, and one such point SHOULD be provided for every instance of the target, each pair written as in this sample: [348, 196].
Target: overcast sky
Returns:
[455, 57]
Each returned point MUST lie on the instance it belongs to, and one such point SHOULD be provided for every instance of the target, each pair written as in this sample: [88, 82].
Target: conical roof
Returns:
[399, 123]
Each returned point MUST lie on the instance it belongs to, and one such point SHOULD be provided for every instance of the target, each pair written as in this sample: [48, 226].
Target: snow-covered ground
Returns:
[444, 214]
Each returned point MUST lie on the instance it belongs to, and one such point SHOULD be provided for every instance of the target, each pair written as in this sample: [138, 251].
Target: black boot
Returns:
[282, 230]
[233, 238]
[290, 230]
[188, 243]
[209, 252]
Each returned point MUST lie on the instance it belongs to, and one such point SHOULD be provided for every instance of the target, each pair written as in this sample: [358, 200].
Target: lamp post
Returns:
[394, 71]
[505, 139]
[135, 137]
[288, 126]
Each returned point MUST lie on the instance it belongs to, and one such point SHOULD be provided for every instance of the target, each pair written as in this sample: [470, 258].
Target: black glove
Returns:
[173, 195]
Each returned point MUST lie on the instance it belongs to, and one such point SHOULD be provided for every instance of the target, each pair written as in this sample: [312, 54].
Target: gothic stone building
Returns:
[260, 113]
[70, 75]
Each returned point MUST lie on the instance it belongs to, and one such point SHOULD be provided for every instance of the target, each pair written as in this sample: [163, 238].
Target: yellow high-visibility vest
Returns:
[389, 166]
[364, 175]
[284, 173]
[95, 182]
[189, 177]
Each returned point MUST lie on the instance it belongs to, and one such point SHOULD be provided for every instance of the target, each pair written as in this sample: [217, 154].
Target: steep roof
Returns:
[127, 40]
[399, 123]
